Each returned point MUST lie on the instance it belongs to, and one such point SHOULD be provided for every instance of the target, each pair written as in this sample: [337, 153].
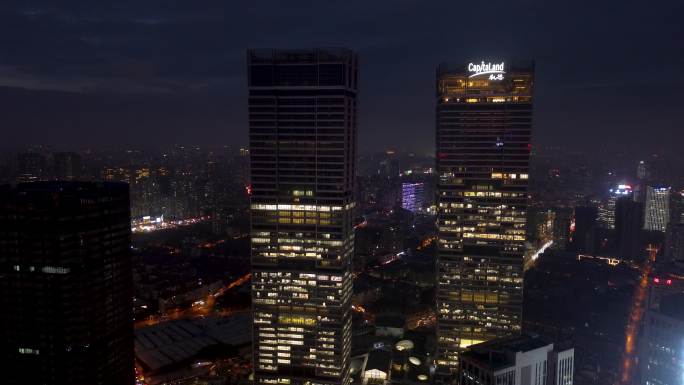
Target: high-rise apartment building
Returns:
[484, 125]
[657, 208]
[66, 285]
[302, 119]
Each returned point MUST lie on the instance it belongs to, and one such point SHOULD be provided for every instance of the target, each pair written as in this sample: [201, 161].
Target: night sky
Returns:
[133, 72]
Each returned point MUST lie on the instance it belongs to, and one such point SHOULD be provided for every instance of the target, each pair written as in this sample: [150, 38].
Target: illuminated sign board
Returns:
[495, 71]
[622, 189]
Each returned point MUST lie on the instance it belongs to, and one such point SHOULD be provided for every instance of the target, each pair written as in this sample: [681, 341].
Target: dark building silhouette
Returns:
[66, 289]
[584, 233]
[629, 219]
[302, 122]
[561, 227]
[676, 207]
[30, 167]
[674, 242]
[67, 165]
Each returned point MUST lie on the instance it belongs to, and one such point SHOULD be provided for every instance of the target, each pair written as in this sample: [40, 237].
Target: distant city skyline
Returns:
[341, 193]
[142, 74]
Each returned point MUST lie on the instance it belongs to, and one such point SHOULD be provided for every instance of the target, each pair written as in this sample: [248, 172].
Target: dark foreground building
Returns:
[66, 287]
[302, 124]
[484, 127]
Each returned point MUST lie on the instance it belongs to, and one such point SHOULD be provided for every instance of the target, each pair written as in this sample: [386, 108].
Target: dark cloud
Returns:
[604, 68]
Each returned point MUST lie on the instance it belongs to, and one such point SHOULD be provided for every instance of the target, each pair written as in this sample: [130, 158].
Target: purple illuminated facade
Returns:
[412, 196]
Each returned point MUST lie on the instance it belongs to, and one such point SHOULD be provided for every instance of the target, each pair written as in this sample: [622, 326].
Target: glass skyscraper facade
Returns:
[606, 211]
[302, 121]
[657, 209]
[484, 125]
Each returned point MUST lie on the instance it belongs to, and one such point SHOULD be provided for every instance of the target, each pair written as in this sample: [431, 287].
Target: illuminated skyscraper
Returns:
[412, 196]
[302, 106]
[657, 208]
[484, 124]
[606, 212]
[66, 284]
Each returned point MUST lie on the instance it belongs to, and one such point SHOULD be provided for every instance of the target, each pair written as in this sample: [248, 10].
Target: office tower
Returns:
[520, 360]
[674, 242]
[674, 234]
[657, 208]
[66, 286]
[676, 207]
[660, 348]
[242, 165]
[412, 196]
[302, 119]
[643, 172]
[629, 216]
[67, 165]
[30, 167]
[606, 213]
[484, 124]
[582, 229]
[643, 175]
[561, 227]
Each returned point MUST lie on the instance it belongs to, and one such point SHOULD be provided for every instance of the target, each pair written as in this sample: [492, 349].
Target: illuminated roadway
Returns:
[146, 225]
[635, 315]
[199, 308]
[530, 261]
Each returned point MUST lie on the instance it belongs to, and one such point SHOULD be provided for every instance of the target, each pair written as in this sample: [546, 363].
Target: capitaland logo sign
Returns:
[495, 71]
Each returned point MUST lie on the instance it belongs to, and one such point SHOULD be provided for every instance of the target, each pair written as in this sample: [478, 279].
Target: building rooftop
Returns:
[174, 342]
[500, 353]
[379, 359]
[390, 320]
[514, 66]
[299, 56]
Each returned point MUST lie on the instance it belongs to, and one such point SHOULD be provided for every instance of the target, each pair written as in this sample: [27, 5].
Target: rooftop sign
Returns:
[494, 70]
